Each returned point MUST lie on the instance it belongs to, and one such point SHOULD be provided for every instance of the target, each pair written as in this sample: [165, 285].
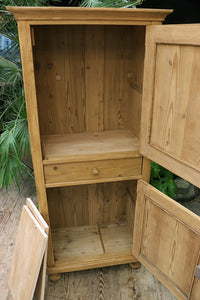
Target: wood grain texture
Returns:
[33, 122]
[116, 237]
[167, 235]
[92, 172]
[135, 78]
[86, 89]
[130, 213]
[62, 148]
[40, 285]
[174, 98]
[77, 15]
[119, 63]
[146, 169]
[60, 51]
[94, 74]
[93, 204]
[29, 250]
[91, 246]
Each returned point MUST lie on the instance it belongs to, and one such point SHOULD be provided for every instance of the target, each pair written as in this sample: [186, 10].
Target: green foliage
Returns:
[111, 3]
[14, 136]
[163, 180]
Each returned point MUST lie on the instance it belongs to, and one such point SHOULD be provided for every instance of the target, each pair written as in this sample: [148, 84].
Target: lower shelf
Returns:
[87, 247]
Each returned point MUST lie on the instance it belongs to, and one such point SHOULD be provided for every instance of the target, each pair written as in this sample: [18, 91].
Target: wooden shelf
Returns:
[86, 247]
[63, 148]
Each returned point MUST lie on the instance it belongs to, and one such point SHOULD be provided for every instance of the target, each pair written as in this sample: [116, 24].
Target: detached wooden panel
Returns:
[40, 286]
[167, 240]
[171, 110]
[27, 258]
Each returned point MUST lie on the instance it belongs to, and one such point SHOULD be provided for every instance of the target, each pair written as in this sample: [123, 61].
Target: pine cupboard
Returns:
[108, 90]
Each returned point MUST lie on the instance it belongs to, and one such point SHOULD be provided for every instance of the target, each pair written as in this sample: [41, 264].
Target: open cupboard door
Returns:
[167, 241]
[170, 127]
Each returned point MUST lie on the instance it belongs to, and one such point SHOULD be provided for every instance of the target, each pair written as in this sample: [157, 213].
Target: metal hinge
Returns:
[197, 272]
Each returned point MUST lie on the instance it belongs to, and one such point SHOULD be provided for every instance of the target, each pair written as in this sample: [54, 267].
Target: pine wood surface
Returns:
[89, 146]
[77, 15]
[102, 203]
[83, 241]
[73, 57]
[174, 98]
[67, 174]
[166, 235]
[40, 285]
[28, 253]
[33, 123]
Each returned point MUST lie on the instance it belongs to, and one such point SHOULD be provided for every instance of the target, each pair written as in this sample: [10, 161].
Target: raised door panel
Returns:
[167, 241]
[170, 125]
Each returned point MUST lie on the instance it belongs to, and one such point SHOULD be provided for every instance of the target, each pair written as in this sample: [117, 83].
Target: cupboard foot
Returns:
[54, 277]
[135, 265]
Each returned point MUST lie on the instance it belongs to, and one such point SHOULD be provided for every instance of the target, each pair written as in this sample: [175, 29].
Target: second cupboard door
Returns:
[167, 241]
[170, 128]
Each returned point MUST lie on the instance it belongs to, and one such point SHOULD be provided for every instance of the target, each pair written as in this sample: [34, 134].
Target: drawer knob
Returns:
[95, 171]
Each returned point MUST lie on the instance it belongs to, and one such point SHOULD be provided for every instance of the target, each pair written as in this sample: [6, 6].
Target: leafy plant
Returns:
[14, 137]
[111, 3]
[163, 180]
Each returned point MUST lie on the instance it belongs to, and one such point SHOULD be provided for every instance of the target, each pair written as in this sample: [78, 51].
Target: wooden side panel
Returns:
[171, 102]
[136, 81]
[33, 122]
[165, 236]
[27, 258]
[93, 204]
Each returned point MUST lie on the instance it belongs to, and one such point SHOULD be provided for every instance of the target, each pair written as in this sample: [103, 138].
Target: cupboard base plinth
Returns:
[92, 262]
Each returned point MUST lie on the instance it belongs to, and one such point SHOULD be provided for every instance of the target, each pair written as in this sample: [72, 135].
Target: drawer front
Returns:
[90, 172]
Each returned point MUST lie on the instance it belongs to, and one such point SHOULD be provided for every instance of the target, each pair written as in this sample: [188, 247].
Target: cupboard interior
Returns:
[93, 223]
[88, 80]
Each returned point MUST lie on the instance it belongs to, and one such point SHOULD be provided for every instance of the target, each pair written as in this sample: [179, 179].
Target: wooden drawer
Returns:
[90, 172]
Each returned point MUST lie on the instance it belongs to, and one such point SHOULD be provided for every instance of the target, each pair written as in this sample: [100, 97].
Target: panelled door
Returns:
[167, 241]
[167, 235]
[170, 127]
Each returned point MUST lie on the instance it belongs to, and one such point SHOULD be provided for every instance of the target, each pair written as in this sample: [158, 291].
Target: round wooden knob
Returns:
[95, 171]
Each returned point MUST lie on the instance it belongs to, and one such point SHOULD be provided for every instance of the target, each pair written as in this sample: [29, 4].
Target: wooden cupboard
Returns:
[108, 90]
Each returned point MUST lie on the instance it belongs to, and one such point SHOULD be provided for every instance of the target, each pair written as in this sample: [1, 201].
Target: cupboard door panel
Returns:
[170, 132]
[167, 241]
